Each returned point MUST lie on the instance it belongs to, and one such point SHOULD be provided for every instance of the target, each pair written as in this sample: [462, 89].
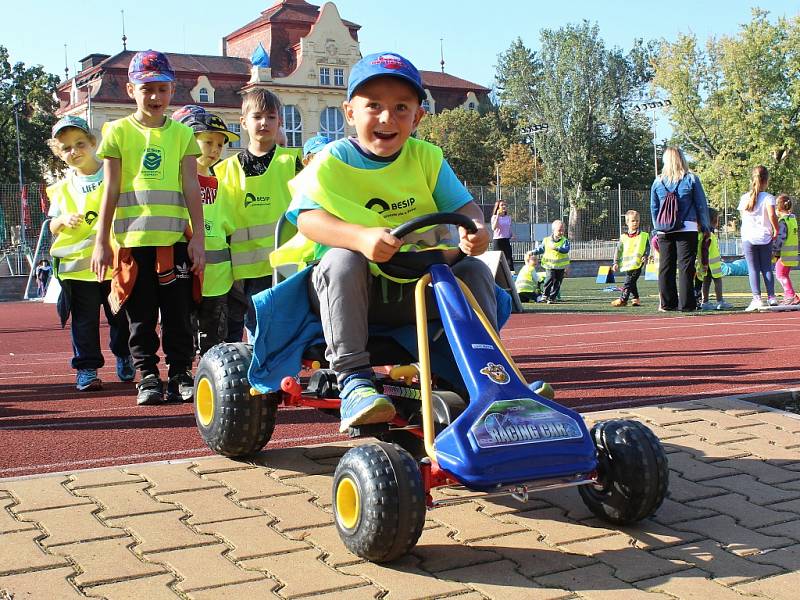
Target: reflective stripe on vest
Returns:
[789, 255]
[633, 251]
[385, 197]
[255, 204]
[151, 209]
[73, 246]
[553, 259]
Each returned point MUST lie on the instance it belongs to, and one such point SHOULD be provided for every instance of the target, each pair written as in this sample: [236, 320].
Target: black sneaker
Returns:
[180, 388]
[151, 391]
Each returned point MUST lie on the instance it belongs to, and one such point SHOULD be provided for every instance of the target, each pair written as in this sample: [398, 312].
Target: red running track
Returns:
[593, 360]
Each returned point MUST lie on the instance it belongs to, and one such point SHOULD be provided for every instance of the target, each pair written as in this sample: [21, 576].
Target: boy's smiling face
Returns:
[384, 111]
[152, 99]
[76, 149]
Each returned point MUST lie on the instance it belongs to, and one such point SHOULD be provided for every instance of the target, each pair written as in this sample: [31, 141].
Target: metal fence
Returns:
[593, 232]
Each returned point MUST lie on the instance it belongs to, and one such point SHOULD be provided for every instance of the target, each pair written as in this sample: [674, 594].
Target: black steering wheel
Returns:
[434, 219]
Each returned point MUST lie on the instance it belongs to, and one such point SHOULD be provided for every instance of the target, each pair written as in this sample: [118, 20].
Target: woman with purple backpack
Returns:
[679, 210]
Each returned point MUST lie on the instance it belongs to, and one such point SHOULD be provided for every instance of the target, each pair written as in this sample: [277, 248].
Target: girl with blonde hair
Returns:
[759, 228]
[678, 243]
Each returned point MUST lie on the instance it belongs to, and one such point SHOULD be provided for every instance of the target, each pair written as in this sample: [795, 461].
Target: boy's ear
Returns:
[418, 116]
[347, 109]
[129, 87]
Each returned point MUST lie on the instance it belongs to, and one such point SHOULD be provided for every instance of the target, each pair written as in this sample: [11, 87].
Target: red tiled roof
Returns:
[185, 63]
[287, 10]
[436, 79]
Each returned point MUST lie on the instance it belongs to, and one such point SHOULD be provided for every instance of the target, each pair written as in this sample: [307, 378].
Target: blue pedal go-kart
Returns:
[492, 435]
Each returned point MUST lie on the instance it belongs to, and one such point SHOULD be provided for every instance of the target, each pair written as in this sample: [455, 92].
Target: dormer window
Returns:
[202, 95]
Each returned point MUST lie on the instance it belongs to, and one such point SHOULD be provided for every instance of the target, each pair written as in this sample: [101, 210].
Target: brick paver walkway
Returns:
[216, 529]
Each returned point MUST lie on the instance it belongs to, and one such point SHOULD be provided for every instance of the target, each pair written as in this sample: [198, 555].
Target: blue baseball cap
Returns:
[148, 66]
[70, 121]
[315, 144]
[380, 64]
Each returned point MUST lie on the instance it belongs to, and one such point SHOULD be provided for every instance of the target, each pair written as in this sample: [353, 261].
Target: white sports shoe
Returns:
[754, 305]
[773, 301]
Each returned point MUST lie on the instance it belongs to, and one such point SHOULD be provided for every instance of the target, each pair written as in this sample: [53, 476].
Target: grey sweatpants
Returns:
[348, 297]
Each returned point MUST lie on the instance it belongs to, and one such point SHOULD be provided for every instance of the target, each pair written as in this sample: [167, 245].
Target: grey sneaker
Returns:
[724, 305]
[86, 380]
[151, 391]
[708, 306]
[180, 388]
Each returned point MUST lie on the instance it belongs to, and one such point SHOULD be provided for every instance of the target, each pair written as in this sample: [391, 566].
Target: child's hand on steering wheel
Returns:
[474, 244]
[377, 244]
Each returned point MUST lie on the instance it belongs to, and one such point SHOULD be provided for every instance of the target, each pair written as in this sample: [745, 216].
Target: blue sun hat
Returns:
[70, 121]
[381, 64]
[150, 66]
[315, 144]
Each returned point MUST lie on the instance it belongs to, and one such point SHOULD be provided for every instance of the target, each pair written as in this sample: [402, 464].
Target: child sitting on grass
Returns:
[529, 281]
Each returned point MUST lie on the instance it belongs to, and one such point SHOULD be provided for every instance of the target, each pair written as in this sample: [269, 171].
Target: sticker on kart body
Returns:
[496, 373]
[522, 421]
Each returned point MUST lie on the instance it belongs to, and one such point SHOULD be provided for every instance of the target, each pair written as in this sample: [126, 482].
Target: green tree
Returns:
[32, 91]
[518, 166]
[736, 102]
[471, 142]
[580, 89]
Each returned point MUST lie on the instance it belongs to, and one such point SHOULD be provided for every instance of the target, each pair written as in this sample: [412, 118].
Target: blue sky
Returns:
[474, 32]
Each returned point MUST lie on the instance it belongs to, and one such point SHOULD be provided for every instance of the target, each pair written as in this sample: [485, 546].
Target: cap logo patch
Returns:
[390, 61]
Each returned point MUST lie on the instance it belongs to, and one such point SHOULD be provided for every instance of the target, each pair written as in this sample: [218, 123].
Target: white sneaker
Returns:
[755, 304]
[773, 301]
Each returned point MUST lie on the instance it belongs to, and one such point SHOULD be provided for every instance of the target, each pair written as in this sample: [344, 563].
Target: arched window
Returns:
[293, 124]
[426, 105]
[202, 95]
[331, 123]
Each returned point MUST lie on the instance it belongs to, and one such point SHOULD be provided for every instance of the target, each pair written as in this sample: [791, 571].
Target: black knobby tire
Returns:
[231, 421]
[391, 500]
[633, 472]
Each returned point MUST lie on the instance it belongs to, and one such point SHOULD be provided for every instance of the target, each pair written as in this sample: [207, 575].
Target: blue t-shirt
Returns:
[449, 193]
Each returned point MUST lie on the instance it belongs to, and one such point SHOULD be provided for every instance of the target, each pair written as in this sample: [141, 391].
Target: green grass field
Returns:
[582, 294]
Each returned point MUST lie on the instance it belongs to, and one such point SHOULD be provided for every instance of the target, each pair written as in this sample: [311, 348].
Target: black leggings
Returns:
[504, 245]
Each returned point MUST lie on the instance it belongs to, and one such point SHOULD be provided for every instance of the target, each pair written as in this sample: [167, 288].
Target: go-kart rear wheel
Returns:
[633, 472]
[378, 501]
[230, 420]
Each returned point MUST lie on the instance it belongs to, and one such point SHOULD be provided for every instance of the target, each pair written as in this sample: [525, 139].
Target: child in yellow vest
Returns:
[709, 267]
[555, 260]
[74, 205]
[254, 195]
[211, 135]
[785, 248]
[151, 195]
[348, 199]
[528, 281]
[632, 254]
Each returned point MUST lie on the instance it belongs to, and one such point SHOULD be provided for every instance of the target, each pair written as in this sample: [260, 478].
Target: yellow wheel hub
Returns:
[205, 402]
[348, 505]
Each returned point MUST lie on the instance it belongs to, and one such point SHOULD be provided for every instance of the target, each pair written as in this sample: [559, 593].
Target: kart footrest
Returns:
[373, 430]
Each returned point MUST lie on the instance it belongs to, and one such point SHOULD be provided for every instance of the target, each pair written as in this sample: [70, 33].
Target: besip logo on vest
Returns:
[251, 199]
[89, 217]
[151, 163]
[381, 206]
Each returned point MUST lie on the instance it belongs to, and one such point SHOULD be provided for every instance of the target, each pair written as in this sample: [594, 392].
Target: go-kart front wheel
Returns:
[378, 501]
[633, 473]
[231, 421]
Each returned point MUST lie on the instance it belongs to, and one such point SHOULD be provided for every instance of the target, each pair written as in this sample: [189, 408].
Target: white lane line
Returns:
[145, 456]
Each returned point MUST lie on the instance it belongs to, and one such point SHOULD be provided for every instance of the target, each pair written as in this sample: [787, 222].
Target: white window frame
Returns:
[293, 128]
[338, 77]
[324, 76]
[235, 128]
[203, 95]
[324, 123]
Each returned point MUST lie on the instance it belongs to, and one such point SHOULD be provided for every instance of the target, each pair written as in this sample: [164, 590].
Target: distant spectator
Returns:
[785, 248]
[678, 246]
[759, 229]
[43, 272]
[502, 231]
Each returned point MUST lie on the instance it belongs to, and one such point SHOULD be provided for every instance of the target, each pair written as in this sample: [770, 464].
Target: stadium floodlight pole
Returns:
[19, 170]
[653, 105]
[534, 129]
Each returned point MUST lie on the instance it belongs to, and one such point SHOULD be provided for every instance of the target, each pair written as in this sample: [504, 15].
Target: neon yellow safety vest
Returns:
[789, 250]
[527, 280]
[633, 249]
[553, 259]
[254, 204]
[297, 252]
[151, 210]
[385, 197]
[218, 274]
[714, 258]
[73, 247]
